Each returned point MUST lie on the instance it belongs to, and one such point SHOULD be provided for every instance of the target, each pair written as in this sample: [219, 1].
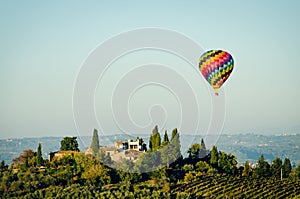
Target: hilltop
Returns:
[244, 146]
[159, 172]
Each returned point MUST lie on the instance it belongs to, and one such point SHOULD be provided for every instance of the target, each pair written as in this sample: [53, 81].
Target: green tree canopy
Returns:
[203, 151]
[298, 172]
[276, 167]
[170, 152]
[166, 138]
[174, 133]
[96, 174]
[263, 167]
[287, 168]
[39, 157]
[149, 161]
[194, 151]
[3, 166]
[155, 139]
[175, 145]
[202, 166]
[227, 163]
[247, 169]
[214, 156]
[95, 142]
[69, 144]
[203, 144]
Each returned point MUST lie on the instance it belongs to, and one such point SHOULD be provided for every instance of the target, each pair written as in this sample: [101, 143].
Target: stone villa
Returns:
[128, 149]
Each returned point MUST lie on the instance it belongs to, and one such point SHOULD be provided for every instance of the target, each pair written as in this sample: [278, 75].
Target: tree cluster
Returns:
[275, 169]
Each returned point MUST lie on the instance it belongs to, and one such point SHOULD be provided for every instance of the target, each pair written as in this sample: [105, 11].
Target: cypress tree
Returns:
[246, 171]
[155, 139]
[287, 168]
[276, 167]
[203, 147]
[39, 157]
[175, 144]
[214, 156]
[174, 133]
[263, 167]
[155, 130]
[95, 142]
[26, 162]
[202, 152]
[150, 143]
[158, 140]
[3, 166]
[166, 138]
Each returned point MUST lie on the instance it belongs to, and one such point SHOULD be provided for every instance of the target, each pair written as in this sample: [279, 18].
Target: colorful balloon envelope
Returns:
[216, 66]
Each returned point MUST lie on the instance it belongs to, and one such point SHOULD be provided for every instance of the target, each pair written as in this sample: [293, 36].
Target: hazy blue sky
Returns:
[43, 44]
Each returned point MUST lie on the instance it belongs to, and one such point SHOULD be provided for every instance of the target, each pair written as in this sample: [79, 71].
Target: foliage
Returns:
[175, 145]
[39, 157]
[95, 142]
[24, 157]
[69, 144]
[155, 139]
[202, 166]
[247, 169]
[166, 139]
[190, 176]
[170, 152]
[203, 151]
[3, 166]
[194, 151]
[188, 167]
[227, 163]
[160, 156]
[75, 175]
[286, 168]
[149, 161]
[96, 174]
[276, 168]
[202, 144]
[263, 167]
[214, 156]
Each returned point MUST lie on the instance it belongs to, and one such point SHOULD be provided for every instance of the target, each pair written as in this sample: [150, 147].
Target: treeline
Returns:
[161, 172]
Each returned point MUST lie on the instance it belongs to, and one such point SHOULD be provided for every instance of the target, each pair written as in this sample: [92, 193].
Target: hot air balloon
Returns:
[216, 66]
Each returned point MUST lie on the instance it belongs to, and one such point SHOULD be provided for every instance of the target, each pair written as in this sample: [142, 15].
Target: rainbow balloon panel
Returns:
[216, 66]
